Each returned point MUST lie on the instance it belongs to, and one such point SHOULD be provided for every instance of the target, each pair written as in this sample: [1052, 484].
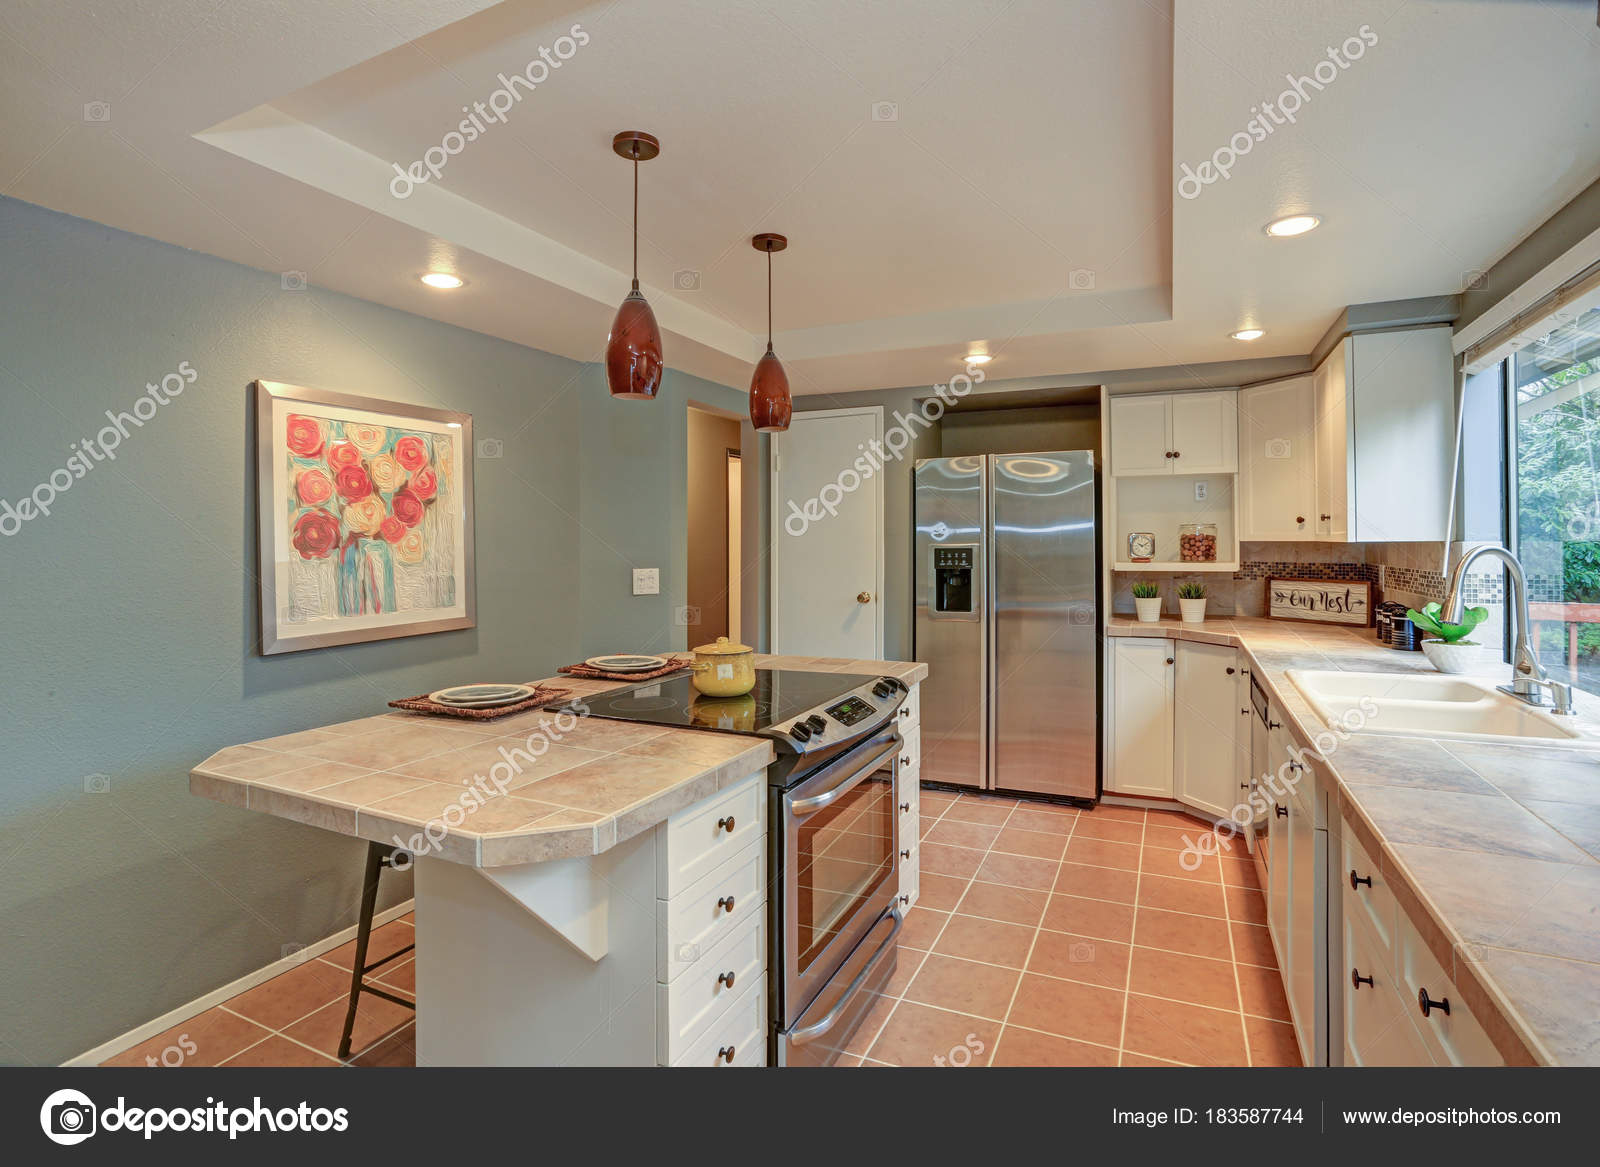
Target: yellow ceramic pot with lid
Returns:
[724, 669]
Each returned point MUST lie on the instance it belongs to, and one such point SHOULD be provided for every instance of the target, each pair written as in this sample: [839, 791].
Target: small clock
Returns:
[1141, 546]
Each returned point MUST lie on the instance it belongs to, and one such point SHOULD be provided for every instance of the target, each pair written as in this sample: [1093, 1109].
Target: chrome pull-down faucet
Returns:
[1528, 678]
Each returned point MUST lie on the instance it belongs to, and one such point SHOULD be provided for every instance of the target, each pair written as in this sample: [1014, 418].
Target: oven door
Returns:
[822, 1031]
[841, 866]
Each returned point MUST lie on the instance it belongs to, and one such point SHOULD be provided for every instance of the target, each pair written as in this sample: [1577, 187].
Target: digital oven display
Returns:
[850, 710]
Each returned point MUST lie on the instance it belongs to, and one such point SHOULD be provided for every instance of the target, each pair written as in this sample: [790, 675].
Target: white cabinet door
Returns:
[1141, 716]
[1205, 433]
[1307, 926]
[1205, 723]
[1278, 464]
[1332, 398]
[1404, 434]
[1140, 431]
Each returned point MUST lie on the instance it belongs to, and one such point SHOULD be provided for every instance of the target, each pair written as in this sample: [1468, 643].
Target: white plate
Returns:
[481, 696]
[627, 663]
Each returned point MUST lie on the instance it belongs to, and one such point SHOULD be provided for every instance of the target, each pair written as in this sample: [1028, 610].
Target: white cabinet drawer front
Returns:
[1374, 902]
[690, 1005]
[691, 924]
[910, 748]
[708, 833]
[738, 1037]
[1455, 1037]
[910, 714]
[910, 879]
[1376, 1030]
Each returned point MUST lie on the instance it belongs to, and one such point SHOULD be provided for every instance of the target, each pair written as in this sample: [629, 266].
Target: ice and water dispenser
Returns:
[954, 591]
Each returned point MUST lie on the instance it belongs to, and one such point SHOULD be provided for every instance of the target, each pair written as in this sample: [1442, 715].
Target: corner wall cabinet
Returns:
[1174, 433]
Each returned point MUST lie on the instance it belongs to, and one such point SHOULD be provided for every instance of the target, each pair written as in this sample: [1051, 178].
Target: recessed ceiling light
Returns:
[1249, 334]
[1292, 225]
[979, 358]
[441, 279]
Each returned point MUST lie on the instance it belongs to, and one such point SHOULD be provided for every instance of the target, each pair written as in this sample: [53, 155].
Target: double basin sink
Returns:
[1431, 705]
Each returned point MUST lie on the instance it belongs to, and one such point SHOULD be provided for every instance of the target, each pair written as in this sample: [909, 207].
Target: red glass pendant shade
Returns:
[633, 352]
[770, 405]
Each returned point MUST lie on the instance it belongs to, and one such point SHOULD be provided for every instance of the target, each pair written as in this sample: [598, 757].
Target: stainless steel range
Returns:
[833, 843]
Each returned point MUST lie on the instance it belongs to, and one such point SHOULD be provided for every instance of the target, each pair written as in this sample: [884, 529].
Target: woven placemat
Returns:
[542, 695]
[674, 664]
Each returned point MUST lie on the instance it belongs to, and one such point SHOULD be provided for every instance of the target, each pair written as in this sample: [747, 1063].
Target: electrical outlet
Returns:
[647, 581]
[1200, 492]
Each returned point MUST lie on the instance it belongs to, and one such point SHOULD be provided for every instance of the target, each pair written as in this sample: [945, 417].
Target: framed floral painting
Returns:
[365, 518]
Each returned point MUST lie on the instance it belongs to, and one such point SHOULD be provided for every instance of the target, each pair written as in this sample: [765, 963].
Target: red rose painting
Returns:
[304, 435]
[411, 452]
[315, 534]
[312, 487]
[392, 530]
[342, 454]
[424, 483]
[353, 483]
[407, 507]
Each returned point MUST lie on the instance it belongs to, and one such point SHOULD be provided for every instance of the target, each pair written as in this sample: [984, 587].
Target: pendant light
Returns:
[770, 406]
[633, 350]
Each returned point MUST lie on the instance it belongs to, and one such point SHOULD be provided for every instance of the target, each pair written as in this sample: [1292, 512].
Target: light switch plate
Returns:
[647, 581]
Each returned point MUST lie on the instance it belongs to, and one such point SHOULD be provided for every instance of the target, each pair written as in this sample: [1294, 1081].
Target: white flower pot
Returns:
[1450, 658]
[1149, 610]
[1194, 611]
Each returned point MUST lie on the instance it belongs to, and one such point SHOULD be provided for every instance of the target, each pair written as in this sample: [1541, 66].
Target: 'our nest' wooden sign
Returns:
[1323, 601]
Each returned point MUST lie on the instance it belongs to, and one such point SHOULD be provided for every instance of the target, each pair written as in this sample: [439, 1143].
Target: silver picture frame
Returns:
[279, 635]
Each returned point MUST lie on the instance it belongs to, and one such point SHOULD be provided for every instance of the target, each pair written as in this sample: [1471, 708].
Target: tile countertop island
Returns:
[403, 776]
[1492, 849]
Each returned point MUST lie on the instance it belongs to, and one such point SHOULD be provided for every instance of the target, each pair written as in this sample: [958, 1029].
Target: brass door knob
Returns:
[863, 597]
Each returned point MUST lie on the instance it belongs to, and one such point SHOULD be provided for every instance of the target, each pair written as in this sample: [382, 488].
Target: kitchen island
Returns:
[588, 891]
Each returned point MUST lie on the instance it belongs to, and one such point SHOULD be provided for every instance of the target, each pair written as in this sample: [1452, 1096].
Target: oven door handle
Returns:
[805, 807]
[821, 1026]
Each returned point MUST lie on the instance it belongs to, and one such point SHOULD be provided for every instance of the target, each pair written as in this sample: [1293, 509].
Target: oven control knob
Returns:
[817, 724]
[799, 732]
[882, 689]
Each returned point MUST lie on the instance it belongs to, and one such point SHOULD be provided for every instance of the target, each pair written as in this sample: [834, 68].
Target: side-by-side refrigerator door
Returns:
[1044, 714]
[951, 629]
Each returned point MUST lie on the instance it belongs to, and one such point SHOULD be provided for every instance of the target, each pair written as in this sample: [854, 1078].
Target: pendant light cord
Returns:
[636, 217]
[769, 297]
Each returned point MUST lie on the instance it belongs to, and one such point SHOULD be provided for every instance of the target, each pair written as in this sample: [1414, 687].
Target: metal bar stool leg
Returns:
[376, 854]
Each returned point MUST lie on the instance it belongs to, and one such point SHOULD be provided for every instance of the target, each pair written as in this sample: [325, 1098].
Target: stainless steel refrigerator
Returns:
[1008, 622]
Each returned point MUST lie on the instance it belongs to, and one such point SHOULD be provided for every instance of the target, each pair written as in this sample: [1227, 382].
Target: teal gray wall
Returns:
[127, 630]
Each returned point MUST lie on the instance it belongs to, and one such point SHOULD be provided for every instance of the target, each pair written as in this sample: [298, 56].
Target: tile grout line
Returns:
[1233, 960]
[1127, 982]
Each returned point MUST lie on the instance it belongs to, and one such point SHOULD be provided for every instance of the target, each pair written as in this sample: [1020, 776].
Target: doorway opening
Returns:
[715, 489]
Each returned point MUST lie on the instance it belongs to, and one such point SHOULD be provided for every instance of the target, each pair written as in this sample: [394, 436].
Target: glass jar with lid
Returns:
[1197, 542]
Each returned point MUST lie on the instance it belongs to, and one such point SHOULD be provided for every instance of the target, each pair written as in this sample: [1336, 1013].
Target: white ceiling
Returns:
[1031, 139]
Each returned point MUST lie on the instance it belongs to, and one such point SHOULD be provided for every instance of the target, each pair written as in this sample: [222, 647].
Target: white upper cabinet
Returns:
[1174, 433]
[1278, 469]
[1331, 396]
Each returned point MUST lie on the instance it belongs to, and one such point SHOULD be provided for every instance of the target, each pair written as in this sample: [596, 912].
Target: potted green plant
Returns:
[1192, 601]
[1450, 651]
[1147, 601]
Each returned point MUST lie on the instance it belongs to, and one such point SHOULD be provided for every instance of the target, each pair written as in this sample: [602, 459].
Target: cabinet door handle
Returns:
[1427, 1004]
[726, 824]
[1301, 519]
[1273, 725]
[905, 899]
[1327, 518]
[1244, 713]
[905, 759]
[1283, 811]
[725, 903]
[905, 854]
[1230, 671]
[726, 978]
[726, 1054]
[1357, 980]
[905, 806]
[1169, 453]
[1177, 453]
[1169, 660]
[1356, 881]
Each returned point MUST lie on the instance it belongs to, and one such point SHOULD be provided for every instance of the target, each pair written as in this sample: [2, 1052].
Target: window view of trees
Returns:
[1557, 400]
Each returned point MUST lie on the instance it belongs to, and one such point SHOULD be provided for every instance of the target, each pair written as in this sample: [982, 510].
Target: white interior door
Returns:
[827, 536]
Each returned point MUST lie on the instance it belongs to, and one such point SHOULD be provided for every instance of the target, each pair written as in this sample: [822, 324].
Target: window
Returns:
[1554, 393]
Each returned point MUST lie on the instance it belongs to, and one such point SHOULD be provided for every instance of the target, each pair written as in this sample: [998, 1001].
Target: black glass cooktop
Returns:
[779, 696]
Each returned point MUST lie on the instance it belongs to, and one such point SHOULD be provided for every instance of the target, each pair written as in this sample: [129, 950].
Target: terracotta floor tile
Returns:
[935, 800]
[908, 961]
[976, 812]
[399, 975]
[922, 926]
[987, 798]
[1139, 1061]
[1099, 883]
[1079, 958]
[1128, 814]
[1239, 872]
[1252, 944]
[963, 986]
[1092, 826]
[1199, 980]
[290, 996]
[1181, 895]
[1177, 932]
[1069, 1009]
[1172, 838]
[1180, 865]
[939, 892]
[1175, 818]
[1103, 854]
[917, 1035]
[995, 901]
[1039, 844]
[1261, 992]
[871, 1025]
[1184, 1033]
[1101, 919]
[986, 940]
[1049, 821]
[374, 1019]
[1246, 904]
[1018, 871]
[1272, 1043]
[278, 1051]
[1024, 1047]
[961, 862]
[959, 834]
[390, 937]
[204, 1040]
